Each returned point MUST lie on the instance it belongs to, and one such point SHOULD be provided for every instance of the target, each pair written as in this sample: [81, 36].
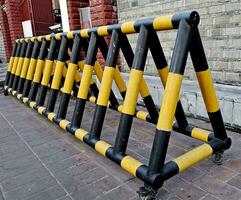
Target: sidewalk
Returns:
[39, 161]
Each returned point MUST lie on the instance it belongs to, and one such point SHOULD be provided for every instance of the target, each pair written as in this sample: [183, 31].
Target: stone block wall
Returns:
[220, 29]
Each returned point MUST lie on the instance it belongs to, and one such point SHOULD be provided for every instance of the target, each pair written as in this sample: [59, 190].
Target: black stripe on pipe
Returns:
[156, 50]
[52, 100]
[94, 89]
[181, 48]
[27, 87]
[42, 95]
[192, 18]
[141, 49]
[197, 52]
[158, 152]
[123, 133]
[63, 106]
[180, 116]
[151, 107]
[92, 50]
[78, 112]
[33, 91]
[218, 125]
[98, 121]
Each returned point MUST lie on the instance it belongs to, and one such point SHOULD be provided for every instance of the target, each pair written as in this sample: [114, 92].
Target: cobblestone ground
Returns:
[40, 161]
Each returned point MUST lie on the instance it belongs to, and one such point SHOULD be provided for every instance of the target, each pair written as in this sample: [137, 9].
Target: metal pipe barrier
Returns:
[51, 63]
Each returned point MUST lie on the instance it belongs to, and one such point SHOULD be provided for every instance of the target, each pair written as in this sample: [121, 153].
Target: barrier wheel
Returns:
[5, 93]
[147, 193]
[217, 157]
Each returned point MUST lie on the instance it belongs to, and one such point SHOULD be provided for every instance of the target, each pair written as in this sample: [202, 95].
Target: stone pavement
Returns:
[39, 161]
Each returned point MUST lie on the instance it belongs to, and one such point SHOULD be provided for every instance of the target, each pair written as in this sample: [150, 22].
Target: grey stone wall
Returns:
[220, 29]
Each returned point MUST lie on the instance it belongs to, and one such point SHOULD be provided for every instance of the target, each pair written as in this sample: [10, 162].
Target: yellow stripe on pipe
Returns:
[19, 96]
[84, 33]
[51, 116]
[119, 80]
[31, 69]
[32, 104]
[102, 31]
[25, 68]
[15, 63]
[92, 99]
[132, 92]
[41, 109]
[142, 115]
[81, 65]
[25, 100]
[47, 72]
[194, 156]
[163, 73]
[10, 64]
[14, 92]
[208, 90]
[120, 108]
[69, 80]
[130, 164]
[85, 83]
[19, 66]
[163, 23]
[101, 147]
[144, 88]
[78, 77]
[38, 71]
[70, 35]
[169, 102]
[98, 70]
[128, 27]
[200, 134]
[105, 86]
[63, 123]
[80, 134]
[48, 37]
[58, 36]
[57, 75]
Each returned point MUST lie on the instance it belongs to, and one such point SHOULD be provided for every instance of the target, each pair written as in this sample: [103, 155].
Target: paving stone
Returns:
[209, 197]
[182, 189]
[25, 178]
[52, 193]
[117, 193]
[15, 167]
[235, 181]
[218, 188]
[30, 189]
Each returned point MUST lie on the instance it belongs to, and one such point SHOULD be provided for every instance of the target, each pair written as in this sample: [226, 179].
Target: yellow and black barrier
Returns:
[37, 65]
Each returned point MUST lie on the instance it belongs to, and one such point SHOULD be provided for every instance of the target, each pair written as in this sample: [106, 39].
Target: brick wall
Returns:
[10, 21]
[220, 30]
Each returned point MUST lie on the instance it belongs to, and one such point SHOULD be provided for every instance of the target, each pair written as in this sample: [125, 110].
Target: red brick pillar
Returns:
[103, 12]
[11, 25]
[73, 11]
[14, 18]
